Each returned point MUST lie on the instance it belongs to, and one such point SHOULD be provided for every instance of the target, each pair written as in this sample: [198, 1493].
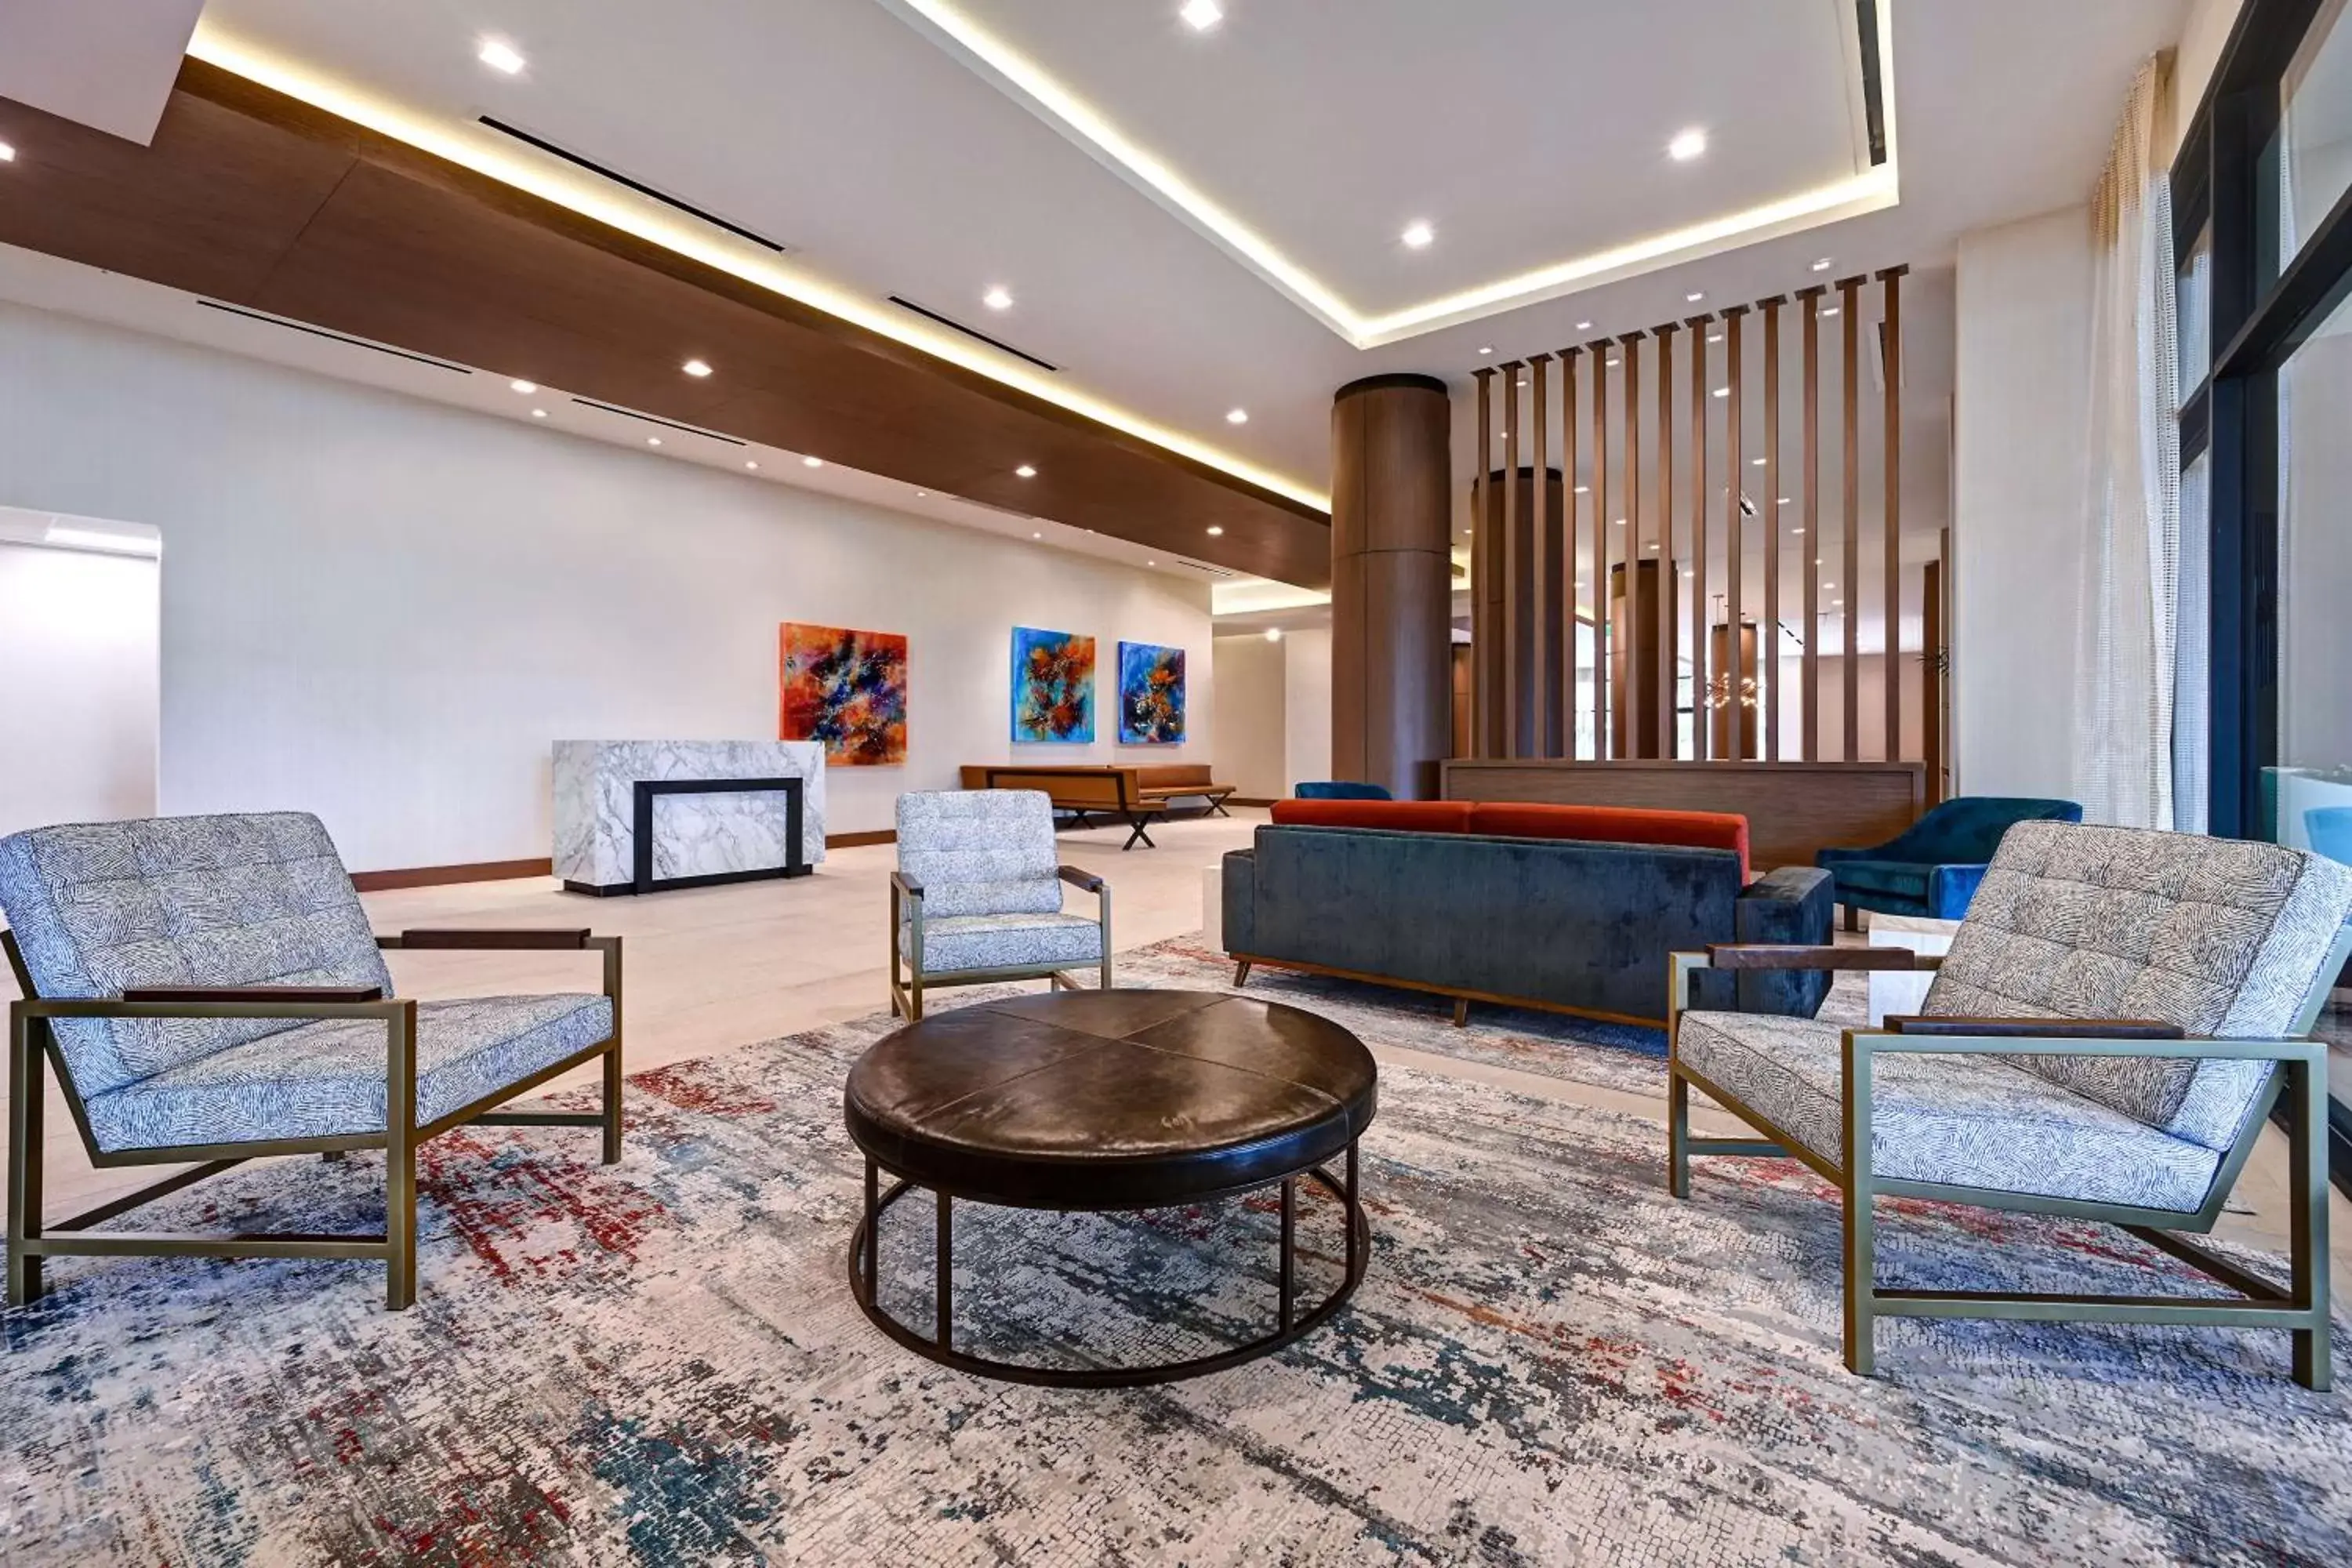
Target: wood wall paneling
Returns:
[1570, 536]
[1735, 555]
[253, 198]
[1600, 547]
[1514, 570]
[1669, 558]
[1793, 809]
[1485, 631]
[1767, 673]
[1700, 675]
[1544, 741]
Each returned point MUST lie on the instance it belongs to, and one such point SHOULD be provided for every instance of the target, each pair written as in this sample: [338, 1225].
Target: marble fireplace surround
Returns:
[695, 836]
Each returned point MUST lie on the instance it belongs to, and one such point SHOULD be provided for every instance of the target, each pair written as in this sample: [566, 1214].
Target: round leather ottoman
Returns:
[1107, 1101]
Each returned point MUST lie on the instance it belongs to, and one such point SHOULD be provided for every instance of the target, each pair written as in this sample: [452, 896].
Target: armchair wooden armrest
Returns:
[1774, 955]
[211, 993]
[910, 886]
[2040, 1028]
[1081, 878]
[559, 940]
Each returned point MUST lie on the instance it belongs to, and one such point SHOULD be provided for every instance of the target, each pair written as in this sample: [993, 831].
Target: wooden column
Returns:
[1392, 581]
[1810, 679]
[1635, 670]
[1767, 657]
[1568, 546]
[1891, 523]
[1600, 547]
[1848, 298]
[1515, 569]
[1699, 640]
[1669, 584]
[1735, 556]
[1484, 632]
[1541, 741]
[1931, 676]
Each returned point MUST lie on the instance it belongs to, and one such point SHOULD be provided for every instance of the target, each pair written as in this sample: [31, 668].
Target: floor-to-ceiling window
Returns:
[2262, 197]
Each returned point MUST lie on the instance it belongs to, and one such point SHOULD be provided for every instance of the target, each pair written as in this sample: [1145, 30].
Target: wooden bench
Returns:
[1184, 781]
[1112, 789]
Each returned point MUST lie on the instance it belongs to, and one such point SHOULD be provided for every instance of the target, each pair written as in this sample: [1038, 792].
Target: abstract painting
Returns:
[1053, 685]
[1151, 694]
[847, 690]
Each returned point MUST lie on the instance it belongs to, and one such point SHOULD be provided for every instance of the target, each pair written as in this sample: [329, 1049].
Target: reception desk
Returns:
[711, 811]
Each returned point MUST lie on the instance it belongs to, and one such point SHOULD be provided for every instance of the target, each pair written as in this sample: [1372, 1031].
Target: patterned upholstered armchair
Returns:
[2118, 1014]
[208, 992]
[978, 897]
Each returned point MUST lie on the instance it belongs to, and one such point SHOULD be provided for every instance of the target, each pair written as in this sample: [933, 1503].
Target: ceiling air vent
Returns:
[292, 326]
[665, 423]
[555, 150]
[1203, 566]
[951, 323]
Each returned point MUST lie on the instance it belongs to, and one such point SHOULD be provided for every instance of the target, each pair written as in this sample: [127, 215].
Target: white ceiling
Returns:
[1523, 129]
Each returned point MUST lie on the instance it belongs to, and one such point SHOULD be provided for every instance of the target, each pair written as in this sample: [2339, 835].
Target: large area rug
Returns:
[1549, 1362]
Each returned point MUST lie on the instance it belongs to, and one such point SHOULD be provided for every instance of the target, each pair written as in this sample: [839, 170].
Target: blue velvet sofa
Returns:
[1933, 868]
[1564, 924]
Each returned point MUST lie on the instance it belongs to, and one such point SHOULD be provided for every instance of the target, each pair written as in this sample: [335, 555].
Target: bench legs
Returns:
[1134, 824]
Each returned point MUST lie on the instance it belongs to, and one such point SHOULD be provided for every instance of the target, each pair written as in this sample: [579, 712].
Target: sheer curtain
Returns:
[2130, 588]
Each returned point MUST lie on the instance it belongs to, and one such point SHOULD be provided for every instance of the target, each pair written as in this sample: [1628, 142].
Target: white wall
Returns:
[79, 688]
[2022, 413]
[1252, 737]
[385, 610]
[1306, 704]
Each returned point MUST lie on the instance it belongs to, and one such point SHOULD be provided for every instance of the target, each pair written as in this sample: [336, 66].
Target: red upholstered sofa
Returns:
[1593, 824]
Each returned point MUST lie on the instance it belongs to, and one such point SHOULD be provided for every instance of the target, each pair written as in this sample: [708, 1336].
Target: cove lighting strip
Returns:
[619, 208]
[1042, 95]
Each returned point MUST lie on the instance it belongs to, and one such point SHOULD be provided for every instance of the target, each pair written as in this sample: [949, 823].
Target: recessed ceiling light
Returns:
[1273, 634]
[1783, 500]
[920, 494]
[1613, 363]
[1687, 145]
[1418, 234]
[500, 56]
[1798, 532]
[1214, 530]
[753, 467]
[1621, 523]
[1695, 296]
[1714, 337]
[1486, 349]
[999, 298]
[7, 153]
[1828, 584]
[1723, 392]
[653, 441]
[812, 462]
[1831, 312]
[1151, 563]
[1237, 417]
[1837, 604]
[696, 368]
[1823, 265]
[1201, 15]
[1581, 490]
[1654, 546]
[1687, 575]
[1036, 536]
[1755, 462]
[525, 387]
[1025, 471]
[539, 413]
[1583, 326]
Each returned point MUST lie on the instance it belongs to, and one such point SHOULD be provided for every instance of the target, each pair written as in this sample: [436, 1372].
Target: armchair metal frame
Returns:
[908, 981]
[2302, 1308]
[31, 1237]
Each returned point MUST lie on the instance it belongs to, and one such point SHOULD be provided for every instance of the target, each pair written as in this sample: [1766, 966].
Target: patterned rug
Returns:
[1549, 1362]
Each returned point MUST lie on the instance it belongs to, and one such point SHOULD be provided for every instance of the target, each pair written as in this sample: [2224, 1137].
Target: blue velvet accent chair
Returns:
[207, 990]
[1933, 868]
[1340, 789]
[977, 897]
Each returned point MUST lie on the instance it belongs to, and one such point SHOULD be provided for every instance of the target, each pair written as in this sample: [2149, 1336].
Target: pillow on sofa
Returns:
[1616, 825]
[1402, 816]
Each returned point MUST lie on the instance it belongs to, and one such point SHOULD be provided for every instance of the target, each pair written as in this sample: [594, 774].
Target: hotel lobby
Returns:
[1196, 782]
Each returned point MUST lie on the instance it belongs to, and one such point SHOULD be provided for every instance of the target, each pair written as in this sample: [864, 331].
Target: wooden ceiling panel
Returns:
[262, 201]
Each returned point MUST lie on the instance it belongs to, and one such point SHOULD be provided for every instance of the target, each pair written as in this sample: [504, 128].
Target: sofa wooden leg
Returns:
[1461, 1011]
[1240, 973]
[1853, 919]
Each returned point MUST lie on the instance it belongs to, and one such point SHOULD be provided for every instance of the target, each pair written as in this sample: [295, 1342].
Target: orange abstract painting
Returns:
[845, 688]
